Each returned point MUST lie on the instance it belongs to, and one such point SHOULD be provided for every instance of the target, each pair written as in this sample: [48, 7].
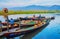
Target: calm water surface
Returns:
[52, 31]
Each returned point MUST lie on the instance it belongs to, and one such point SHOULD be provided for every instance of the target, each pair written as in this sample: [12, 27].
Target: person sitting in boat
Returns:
[39, 16]
[11, 22]
[1, 26]
[33, 16]
[26, 17]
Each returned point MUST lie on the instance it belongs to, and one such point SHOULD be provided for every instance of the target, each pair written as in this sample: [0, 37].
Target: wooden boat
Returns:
[4, 27]
[52, 18]
[18, 32]
[17, 25]
[36, 18]
[20, 19]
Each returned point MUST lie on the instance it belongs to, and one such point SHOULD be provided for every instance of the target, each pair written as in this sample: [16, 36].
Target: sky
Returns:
[21, 3]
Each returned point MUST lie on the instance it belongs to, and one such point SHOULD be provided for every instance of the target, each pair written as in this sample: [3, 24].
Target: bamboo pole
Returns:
[0, 29]
[19, 23]
[0, 26]
[7, 25]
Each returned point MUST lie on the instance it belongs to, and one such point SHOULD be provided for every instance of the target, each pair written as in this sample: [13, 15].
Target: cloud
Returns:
[20, 3]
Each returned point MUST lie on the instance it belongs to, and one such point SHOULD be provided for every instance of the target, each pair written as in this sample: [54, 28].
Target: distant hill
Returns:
[36, 7]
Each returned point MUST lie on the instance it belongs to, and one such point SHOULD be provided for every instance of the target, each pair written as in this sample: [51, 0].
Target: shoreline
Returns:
[32, 13]
[12, 12]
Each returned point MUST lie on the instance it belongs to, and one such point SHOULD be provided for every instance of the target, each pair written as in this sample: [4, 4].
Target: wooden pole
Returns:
[0, 29]
[19, 23]
[0, 26]
[7, 25]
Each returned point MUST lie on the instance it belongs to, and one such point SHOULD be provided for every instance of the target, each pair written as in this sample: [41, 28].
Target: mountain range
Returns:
[36, 7]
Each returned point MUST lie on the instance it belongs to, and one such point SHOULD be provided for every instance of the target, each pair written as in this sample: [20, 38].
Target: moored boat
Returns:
[25, 24]
[16, 25]
[22, 31]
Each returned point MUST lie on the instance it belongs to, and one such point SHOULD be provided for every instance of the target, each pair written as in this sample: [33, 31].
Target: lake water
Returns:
[52, 31]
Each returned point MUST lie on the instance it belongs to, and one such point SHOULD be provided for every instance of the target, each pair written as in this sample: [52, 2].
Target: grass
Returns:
[31, 12]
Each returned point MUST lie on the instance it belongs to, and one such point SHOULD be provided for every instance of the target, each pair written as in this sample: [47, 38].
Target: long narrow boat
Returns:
[28, 18]
[36, 18]
[4, 27]
[17, 20]
[17, 32]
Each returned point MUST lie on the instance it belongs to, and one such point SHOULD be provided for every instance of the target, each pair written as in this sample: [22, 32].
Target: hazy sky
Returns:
[15, 3]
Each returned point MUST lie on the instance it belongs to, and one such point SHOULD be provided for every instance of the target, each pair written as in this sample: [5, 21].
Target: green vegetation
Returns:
[31, 12]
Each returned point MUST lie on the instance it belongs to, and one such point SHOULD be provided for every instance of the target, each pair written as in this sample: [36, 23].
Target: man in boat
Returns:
[11, 22]
[33, 16]
[0, 26]
[26, 17]
[39, 16]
